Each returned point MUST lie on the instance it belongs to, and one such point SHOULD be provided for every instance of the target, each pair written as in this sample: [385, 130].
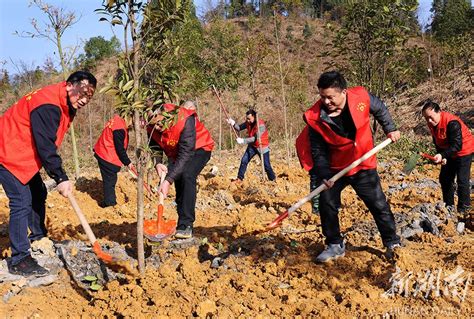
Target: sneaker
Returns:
[184, 233]
[391, 249]
[28, 267]
[315, 204]
[332, 251]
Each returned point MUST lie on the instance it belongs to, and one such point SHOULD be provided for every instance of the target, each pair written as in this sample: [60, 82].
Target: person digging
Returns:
[188, 146]
[31, 132]
[454, 143]
[255, 133]
[111, 154]
[339, 133]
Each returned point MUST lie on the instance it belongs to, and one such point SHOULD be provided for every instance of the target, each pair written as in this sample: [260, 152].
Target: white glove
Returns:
[230, 121]
[240, 140]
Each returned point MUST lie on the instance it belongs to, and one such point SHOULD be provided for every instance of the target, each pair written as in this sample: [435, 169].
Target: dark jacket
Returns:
[187, 142]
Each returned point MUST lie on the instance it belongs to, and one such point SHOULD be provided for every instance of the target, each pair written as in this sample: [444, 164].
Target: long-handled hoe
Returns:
[278, 221]
[413, 160]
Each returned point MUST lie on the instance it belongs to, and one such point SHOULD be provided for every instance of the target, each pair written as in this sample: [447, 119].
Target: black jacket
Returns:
[186, 145]
[44, 126]
[454, 135]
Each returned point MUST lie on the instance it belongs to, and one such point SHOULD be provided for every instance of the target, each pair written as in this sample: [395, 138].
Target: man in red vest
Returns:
[111, 153]
[455, 143]
[188, 145]
[339, 133]
[255, 132]
[31, 132]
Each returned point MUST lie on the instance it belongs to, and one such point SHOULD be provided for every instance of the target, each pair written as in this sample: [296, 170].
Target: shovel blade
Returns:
[411, 163]
[156, 230]
[101, 254]
[276, 223]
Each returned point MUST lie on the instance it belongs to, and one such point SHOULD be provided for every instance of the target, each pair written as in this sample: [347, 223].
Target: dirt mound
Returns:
[229, 271]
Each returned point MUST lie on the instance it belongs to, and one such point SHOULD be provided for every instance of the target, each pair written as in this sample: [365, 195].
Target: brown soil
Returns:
[267, 275]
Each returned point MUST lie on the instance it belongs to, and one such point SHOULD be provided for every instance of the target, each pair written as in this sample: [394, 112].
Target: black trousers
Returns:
[459, 169]
[186, 188]
[366, 183]
[108, 171]
[27, 211]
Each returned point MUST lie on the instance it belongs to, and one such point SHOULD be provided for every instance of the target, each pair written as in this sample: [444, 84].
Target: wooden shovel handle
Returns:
[161, 197]
[223, 108]
[145, 184]
[323, 187]
[82, 218]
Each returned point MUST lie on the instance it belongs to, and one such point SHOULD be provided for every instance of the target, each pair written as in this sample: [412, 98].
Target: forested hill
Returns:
[270, 60]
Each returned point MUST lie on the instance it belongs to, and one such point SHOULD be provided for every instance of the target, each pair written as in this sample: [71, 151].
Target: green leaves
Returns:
[373, 36]
[90, 278]
[94, 286]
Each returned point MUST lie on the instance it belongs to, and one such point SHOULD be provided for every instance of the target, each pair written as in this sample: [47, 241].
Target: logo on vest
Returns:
[442, 133]
[30, 95]
[172, 142]
[361, 107]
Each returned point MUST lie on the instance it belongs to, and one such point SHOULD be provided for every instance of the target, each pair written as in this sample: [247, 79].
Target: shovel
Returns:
[95, 244]
[277, 222]
[135, 175]
[159, 229]
[411, 163]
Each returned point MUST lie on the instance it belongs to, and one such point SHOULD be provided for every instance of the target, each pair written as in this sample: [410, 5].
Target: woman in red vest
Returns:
[338, 134]
[254, 132]
[111, 153]
[455, 143]
[188, 145]
[31, 132]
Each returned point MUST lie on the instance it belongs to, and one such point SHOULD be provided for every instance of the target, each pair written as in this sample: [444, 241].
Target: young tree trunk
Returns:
[140, 160]
[75, 155]
[283, 93]
[220, 132]
[140, 197]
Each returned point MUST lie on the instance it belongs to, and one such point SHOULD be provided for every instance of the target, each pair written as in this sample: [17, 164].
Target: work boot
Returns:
[332, 251]
[185, 233]
[28, 267]
[391, 249]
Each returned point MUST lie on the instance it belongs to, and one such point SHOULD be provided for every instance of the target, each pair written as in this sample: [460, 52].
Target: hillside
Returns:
[228, 271]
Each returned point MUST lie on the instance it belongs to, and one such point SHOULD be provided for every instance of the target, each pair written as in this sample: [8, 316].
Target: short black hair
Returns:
[254, 114]
[430, 105]
[78, 76]
[332, 79]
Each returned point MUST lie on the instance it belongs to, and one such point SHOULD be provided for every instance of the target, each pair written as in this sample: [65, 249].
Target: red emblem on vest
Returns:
[361, 107]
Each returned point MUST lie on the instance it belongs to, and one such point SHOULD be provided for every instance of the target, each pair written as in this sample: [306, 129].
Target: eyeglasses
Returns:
[83, 90]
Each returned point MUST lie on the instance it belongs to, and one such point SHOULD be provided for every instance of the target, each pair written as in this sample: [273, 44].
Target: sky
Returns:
[15, 15]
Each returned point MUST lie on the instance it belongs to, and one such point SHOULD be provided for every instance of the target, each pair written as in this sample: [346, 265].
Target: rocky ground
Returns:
[229, 271]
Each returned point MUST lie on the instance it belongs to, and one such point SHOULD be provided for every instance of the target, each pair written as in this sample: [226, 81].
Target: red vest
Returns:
[18, 151]
[441, 138]
[105, 147]
[252, 131]
[343, 151]
[169, 138]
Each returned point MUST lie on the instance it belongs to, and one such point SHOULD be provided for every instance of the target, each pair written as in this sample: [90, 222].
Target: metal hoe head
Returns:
[411, 163]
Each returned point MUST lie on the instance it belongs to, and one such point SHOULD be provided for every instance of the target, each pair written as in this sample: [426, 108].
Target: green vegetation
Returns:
[97, 49]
